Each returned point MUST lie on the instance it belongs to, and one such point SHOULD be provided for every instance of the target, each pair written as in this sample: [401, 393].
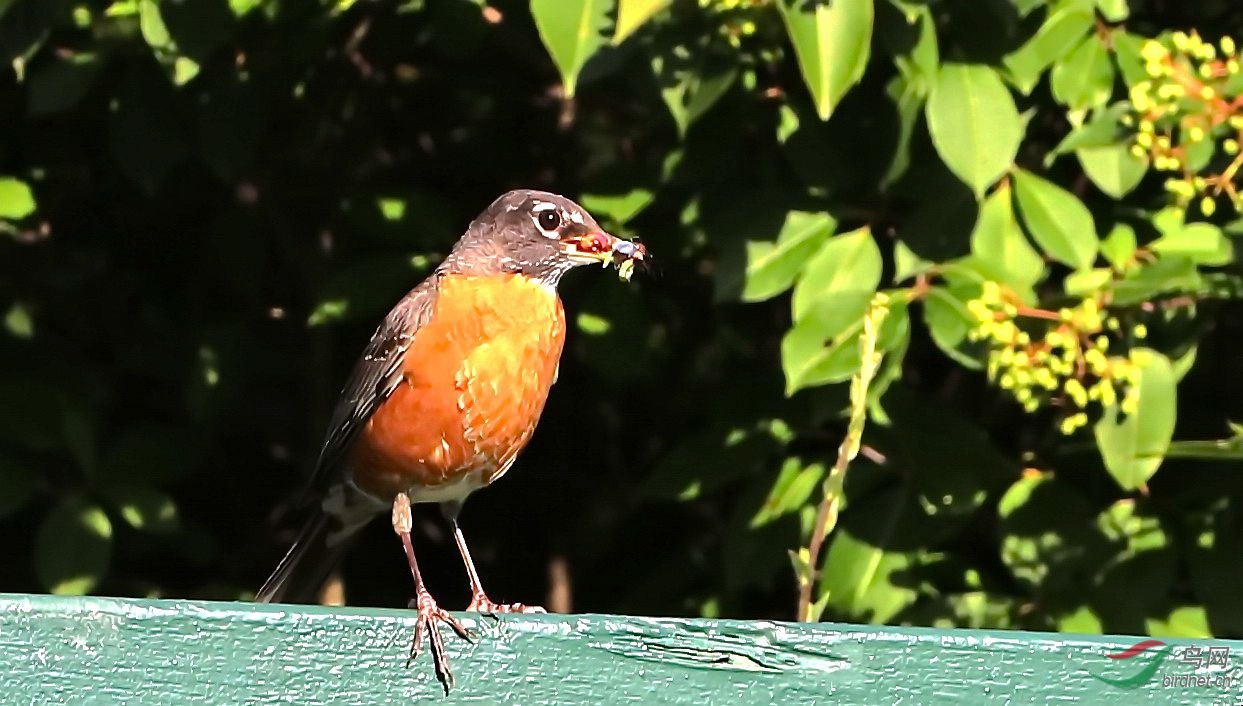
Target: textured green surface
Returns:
[102, 650]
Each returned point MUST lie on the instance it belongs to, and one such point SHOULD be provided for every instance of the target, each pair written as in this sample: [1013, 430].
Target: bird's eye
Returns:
[549, 220]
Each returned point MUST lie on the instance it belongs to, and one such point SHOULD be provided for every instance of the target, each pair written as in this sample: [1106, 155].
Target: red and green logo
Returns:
[1209, 666]
[1151, 663]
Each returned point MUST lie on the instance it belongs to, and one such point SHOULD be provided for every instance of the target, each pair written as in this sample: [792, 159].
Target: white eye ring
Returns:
[548, 220]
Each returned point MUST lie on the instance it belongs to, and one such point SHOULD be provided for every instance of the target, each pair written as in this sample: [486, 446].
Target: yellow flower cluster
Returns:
[1060, 358]
[1186, 112]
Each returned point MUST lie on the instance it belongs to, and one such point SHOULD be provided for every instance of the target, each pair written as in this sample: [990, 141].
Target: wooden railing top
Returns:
[110, 650]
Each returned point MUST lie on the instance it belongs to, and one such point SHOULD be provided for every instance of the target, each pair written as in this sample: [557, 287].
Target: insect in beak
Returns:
[605, 249]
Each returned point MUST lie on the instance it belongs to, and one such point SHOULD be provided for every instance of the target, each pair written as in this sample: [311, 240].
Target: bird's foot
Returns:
[482, 604]
[429, 615]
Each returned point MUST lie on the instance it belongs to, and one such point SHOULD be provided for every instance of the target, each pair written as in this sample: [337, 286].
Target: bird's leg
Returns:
[428, 611]
[479, 600]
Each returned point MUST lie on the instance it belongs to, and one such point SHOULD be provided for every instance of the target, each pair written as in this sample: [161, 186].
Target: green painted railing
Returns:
[105, 650]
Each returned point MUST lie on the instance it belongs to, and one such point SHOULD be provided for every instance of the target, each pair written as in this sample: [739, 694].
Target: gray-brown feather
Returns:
[375, 376]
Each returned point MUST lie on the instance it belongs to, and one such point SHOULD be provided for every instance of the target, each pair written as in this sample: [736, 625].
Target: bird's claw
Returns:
[429, 613]
[483, 604]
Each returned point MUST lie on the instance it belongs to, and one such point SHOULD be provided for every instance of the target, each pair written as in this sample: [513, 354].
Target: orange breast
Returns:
[475, 380]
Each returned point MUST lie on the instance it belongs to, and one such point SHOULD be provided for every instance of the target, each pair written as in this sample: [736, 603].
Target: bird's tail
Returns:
[302, 572]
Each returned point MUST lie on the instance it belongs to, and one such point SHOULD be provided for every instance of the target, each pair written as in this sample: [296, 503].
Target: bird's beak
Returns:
[600, 247]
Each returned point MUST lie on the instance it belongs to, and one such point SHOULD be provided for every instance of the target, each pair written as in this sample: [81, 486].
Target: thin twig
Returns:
[826, 513]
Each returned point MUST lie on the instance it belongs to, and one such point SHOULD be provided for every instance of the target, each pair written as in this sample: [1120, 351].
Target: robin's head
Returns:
[541, 235]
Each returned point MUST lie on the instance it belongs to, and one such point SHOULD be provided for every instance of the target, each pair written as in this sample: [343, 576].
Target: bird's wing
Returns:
[375, 376]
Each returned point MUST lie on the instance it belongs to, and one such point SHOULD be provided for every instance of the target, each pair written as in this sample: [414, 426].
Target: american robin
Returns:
[448, 392]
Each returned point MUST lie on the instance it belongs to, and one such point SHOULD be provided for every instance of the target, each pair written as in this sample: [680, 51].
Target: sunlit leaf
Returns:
[1085, 78]
[974, 124]
[73, 547]
[795, 483]
[145, 509]
[572, 30]
[1056, 220]
[1228, 449]
[948, 322]
[847, 266]
[832, 42]
[1203, 243]
[18, 323]
[631, 14]
[1134, 445]
[773, 266]
[1061, 31]
[1190, 621]
[1113, 168]
[16, 199]
[998, 243]
[618, 208]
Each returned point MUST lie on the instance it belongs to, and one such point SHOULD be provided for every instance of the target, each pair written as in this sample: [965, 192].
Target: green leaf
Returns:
[1083, 282]
[16, 199]
[1189, 621]
[908, 98]
[1229, 449]
[862, 576]
[791, 491]
[1102, 130]
[948, 322]
[773, 266]
[1113, 10]
[1026, 7]
[631, 14]
[974, 124]
[1138, 574]
[153, 28]
[1113, 168]
[807, 361]
[1085, 78]
[1133, 445]
[832, 42]
[1119, 246]
[1168, 274]
[145, 509]
[241, 8]
[862, 580]
[906, 264]
[1047, 533]
[73, 547]
[998, 243]
[689, 92]
[572, 30]
[618, 208]
[18, 321]
[1056, 219]
[1202, 243]
[1081, 620]
[1059, 34]
[1127, 52]
[847, 267]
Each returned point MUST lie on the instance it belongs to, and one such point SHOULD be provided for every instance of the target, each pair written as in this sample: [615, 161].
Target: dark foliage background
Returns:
[226, 196]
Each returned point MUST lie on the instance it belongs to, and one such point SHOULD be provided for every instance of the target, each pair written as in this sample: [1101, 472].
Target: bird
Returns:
[446, 394]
